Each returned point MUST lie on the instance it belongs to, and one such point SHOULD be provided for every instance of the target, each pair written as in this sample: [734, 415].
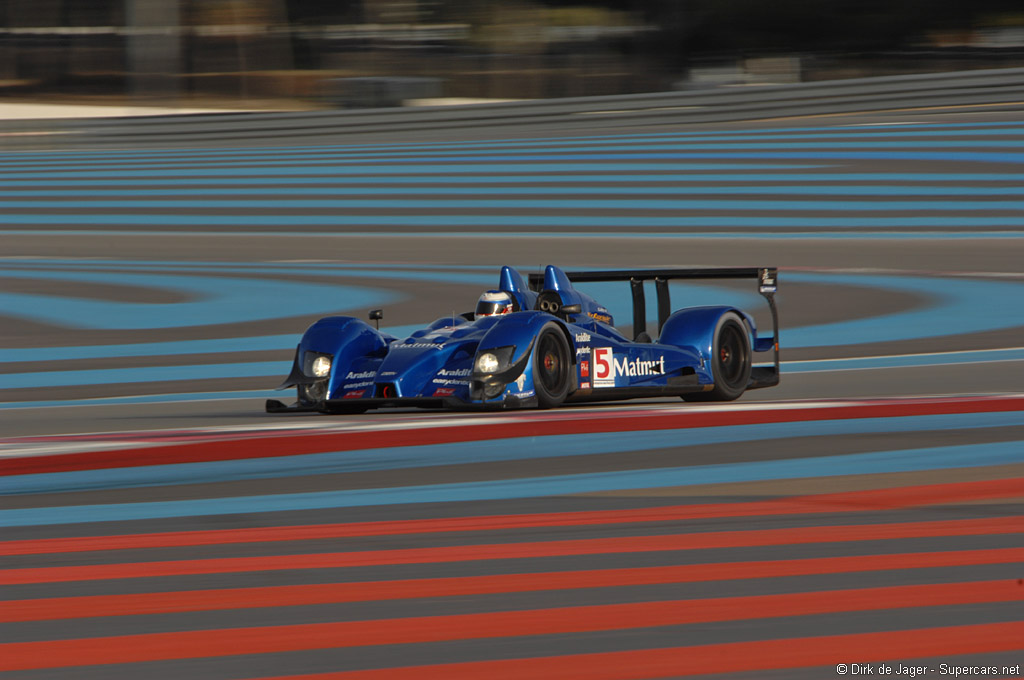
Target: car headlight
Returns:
[317, 364]
[494, 360]
[487, 363]
[322, 366]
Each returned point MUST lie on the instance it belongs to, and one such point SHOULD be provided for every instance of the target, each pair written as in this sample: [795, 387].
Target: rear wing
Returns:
[767, 284]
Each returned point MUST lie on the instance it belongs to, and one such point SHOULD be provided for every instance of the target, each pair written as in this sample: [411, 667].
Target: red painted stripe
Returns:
[275, 445]
[413, 630]
[288, 596]
[852, 501]
[631, 544]
[731, 657]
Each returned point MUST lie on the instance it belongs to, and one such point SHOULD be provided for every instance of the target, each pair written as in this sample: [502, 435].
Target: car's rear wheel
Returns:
[551, 365]
[730, 361]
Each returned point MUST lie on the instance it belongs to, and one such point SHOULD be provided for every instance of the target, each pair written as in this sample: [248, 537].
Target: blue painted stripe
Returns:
[403, 163]
[881, 462]
[940, 156]
[397, 169]
[456, 189]
[456, 453]
[219, 266]
[646, 204]
[191, 221]
[223, 346]
[692, 152]
[112, 271]
[551, 163]
[144, 374]
[944, 359]
[872, 232]
[596, 175]
[207, 300]
[151, 399]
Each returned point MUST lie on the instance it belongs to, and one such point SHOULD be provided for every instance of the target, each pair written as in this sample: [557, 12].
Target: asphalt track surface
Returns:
[155, 523]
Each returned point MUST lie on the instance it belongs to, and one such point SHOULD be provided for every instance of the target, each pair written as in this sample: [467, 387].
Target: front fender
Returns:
[519, 330]
[345, 338]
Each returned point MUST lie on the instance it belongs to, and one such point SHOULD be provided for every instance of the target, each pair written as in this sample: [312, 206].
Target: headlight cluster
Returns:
[487, 363]
[488, 369]
[494, 360]
[317, 364]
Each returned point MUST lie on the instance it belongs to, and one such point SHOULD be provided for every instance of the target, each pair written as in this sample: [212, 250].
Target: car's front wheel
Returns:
[551, 365]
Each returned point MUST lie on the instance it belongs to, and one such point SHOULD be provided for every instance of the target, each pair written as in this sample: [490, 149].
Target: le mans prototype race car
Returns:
[539, 346]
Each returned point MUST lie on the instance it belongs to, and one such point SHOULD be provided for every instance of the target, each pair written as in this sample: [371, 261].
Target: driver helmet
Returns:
[495, 302]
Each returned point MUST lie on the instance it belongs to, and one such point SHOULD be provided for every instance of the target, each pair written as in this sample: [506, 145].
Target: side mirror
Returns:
[376, 315]
[572, 309]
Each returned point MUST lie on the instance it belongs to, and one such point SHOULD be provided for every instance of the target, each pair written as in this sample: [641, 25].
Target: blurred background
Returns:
[359, 53]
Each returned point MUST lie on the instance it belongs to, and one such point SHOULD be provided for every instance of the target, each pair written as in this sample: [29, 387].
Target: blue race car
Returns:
[540, 346]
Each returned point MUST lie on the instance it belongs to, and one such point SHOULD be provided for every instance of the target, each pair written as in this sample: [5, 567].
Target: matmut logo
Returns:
[607, 367]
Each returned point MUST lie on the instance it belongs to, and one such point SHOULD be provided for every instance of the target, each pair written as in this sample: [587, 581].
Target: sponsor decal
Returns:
[583, 337]
[456, 373]
[418, 345]
[358, 394]
[585, 368]
[603, 318]
[521, 382]
[607, 367]
[584, 386]
[357, 385]
[390, 373]
[449, 381]
[444, 391]
[604, 367]
[359, 376]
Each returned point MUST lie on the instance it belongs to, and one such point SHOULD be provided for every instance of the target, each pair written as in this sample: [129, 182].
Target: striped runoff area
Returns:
[556, 545]
[911, 179]
[145, 329]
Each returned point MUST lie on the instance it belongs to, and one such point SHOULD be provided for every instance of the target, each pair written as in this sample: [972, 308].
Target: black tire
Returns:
[551, 365]
[730, 361]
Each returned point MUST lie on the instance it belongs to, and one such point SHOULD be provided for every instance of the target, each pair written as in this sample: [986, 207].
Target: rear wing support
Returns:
[767, 278]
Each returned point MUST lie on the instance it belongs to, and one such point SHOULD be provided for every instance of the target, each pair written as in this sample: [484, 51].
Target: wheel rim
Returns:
[731, 354]
[552, 364]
